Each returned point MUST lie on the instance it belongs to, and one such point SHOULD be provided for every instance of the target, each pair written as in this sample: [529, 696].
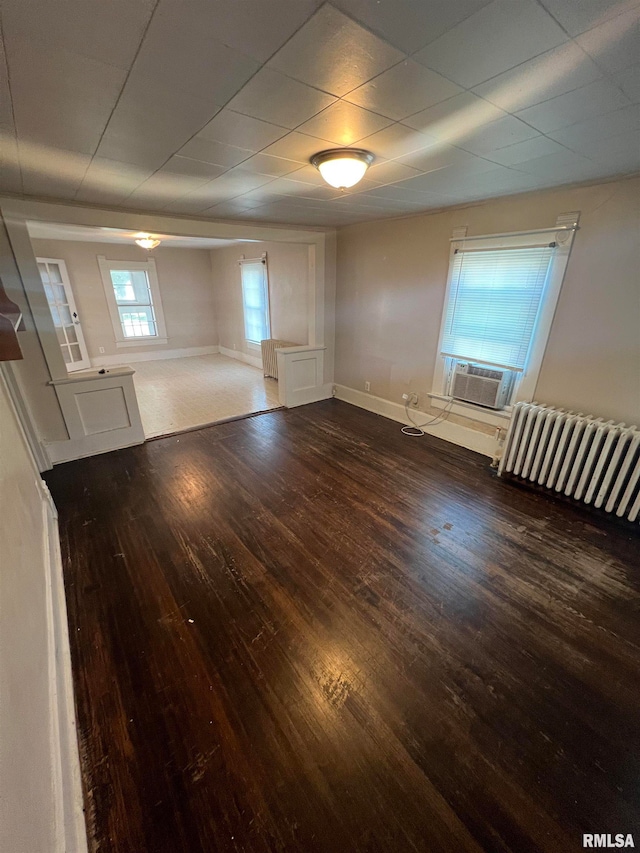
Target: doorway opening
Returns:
[188, 316]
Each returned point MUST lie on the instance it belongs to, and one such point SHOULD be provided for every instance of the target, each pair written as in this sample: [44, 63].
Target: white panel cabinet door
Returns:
[57, 288]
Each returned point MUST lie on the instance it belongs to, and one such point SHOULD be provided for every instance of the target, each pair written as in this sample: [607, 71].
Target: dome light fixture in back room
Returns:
[146, 241]
[342, 167]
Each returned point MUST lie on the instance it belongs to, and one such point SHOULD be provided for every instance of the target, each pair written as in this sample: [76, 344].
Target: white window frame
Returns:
[252, 345]
[525, 382]
[149, 266]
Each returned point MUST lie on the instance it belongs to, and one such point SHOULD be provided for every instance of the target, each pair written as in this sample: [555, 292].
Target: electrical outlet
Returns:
[367, 386]
[414, 399]
[101, 349]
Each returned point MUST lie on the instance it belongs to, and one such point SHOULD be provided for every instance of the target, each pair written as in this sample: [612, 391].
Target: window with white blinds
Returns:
[255, 300]
[494, 300]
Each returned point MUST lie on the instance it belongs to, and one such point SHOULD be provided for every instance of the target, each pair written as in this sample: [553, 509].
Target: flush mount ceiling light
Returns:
[342, 167]
[146, 241]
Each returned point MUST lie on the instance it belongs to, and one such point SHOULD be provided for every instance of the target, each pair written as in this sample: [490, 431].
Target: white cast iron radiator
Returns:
[269, 360]
[582, 456]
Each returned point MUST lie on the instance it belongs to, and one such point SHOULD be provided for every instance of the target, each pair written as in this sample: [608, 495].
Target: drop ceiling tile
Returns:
[254, 29]
[530, 149]
[366, 202]
[181, 53]
[273, 97]
[288, 187]
[344, 124]
[130, 138]
[614, 45]
[440, 155]
[51, 172]
[629, 82]
[497, 37]
[228, 186]
[622, 163]
[497, 134]
[391, 171]
[446, 179]
[331, 52]
[256, 198]
[400, 193]
[148, 134]
[296, 146]
[395, 141]
[106, 32]
[601, 127]
[551, 74]
[196, 168]
[325, 193]
[165, 187]
[193, 204]
[597, 98]
[266, 164]
[110, 181]
[566, 166]
[60, 98]
[403, 90]
[242, 131]
[453, 119]
[217, 153]
[237, 181]
[578, 17]
[409, 24]
[623, 146]
[497, 181]
[233, 207]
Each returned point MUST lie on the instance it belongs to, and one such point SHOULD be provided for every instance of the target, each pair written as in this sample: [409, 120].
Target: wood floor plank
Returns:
[307, 632]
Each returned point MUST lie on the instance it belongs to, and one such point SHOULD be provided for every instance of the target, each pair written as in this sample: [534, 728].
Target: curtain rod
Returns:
[464, 251]
[515, 233]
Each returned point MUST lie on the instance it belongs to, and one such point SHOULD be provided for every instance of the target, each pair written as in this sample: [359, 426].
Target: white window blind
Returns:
[255, 298]
[494, 300]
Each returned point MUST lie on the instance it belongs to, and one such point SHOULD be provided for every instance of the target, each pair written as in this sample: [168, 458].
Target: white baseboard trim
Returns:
[132, 357]
[455, 433]
[70, 829]
[241, 356]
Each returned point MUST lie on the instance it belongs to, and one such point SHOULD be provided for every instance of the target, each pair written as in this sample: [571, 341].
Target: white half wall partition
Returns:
[100, 409]
[301, 376]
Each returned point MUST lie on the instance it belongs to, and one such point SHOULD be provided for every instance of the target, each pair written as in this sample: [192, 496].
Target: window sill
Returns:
[497, 418]
[141, 342]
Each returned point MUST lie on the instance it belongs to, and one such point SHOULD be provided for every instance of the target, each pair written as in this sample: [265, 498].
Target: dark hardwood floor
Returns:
[306, 632]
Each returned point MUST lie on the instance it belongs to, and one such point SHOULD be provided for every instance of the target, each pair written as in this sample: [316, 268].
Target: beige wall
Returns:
[288, 291]
[27, 814]
[184, 277]
[391, 288]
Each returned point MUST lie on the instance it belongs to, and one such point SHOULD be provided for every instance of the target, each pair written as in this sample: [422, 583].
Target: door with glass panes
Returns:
[57, 288]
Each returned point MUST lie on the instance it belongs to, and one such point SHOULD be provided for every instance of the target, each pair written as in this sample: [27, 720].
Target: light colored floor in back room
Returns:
[177, 393]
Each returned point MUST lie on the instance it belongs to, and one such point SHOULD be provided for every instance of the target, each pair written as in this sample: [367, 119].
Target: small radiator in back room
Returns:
[578, 455]
[269, 359]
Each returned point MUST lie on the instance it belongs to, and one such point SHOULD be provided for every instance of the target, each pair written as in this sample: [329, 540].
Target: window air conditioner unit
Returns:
[484, 386]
